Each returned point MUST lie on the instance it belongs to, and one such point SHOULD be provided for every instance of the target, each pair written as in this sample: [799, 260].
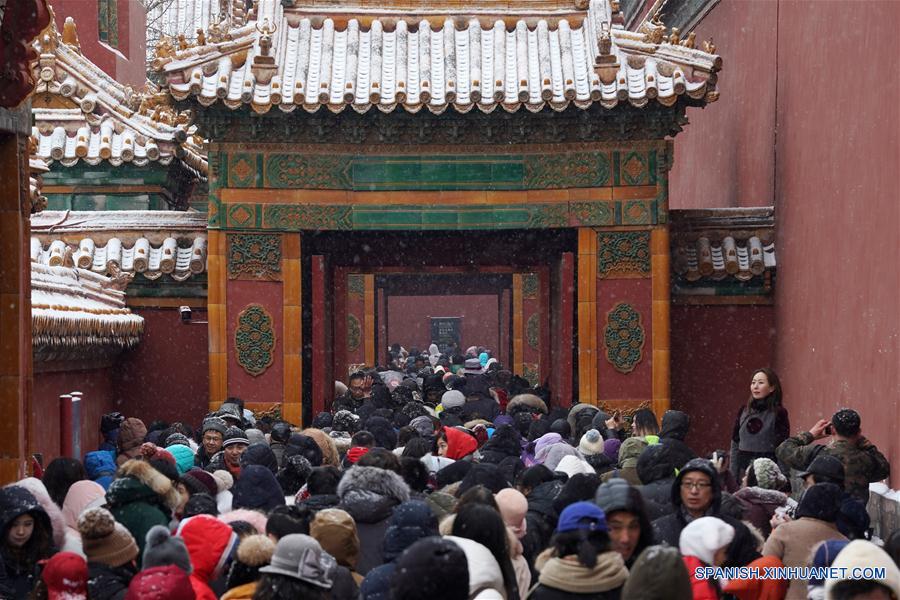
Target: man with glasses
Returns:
[359, 388]
[696, 492]
[212, 437]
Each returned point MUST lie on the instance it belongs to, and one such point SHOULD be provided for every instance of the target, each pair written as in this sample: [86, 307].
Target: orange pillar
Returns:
[659, 268]
[587, 315]
[369, 336]
[218, 326]
[292, 410]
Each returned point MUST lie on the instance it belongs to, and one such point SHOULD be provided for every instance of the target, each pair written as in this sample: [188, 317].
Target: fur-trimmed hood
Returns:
[143, 473]
[370, 494]
[758, 495]
[528, 402]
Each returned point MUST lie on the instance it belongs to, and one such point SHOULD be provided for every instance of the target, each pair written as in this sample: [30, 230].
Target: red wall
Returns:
[268, 386]
[410, 325]
[725, 156]
[637, 384]
[99, 398]
[799, 116]
[838, 214]
[167, 375]
[125, 63]
[714, 352]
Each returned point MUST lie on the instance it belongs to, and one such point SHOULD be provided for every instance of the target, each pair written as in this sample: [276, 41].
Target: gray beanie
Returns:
[214, 424]
[452, 399]
[163, 549]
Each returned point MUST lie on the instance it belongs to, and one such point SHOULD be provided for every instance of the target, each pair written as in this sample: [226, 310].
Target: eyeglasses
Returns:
[695, 485]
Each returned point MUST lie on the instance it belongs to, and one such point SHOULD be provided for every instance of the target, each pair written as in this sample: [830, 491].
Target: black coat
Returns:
[658, 498]
[369, 495]
[540, 520]
[108, 583]
[17, 578]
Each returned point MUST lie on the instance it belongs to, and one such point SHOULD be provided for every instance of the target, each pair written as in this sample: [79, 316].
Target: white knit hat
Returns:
[572, 465]
[591, 443]
[704, 537]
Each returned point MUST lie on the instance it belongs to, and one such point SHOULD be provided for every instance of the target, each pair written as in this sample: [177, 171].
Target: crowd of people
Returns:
[448, 477]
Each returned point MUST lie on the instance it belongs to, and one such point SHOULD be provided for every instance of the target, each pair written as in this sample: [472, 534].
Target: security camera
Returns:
[185, 314]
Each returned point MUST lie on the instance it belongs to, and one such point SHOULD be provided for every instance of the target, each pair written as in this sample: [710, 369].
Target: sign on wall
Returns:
[446, 332]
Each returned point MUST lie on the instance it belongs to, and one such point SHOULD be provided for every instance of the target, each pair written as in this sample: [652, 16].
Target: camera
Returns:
[185, 313]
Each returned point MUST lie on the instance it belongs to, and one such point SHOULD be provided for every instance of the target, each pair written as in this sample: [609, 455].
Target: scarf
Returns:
[569, 575]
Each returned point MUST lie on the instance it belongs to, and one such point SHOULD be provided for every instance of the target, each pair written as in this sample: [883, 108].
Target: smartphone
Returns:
[829, 430]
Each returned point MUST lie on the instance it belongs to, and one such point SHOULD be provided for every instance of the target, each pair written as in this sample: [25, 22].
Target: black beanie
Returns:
[484, 474]
[432, 568]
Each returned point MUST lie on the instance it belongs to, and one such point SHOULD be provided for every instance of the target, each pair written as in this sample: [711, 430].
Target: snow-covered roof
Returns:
[292, 54]
[153, 243]
[716, 244]
[81, 113]
[76, 313]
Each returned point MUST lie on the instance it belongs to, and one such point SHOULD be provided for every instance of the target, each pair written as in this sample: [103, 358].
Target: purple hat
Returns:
[503, 420]
[611, 449]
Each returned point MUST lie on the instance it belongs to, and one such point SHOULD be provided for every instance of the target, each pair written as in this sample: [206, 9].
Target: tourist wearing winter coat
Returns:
[212, 435]
[369, 495]
[695, 493]
[793, 541]
[141, 497]
[513, 509]
[161, 583]
[704, 543]
[257, 489]
[299, 569]
[658, 574]
[110, 550]
[541, 517]
[629, 528]
[485, 577]
[674, 428]
[863, 462]
[454, 444]
[81, 496]
[761, 496]
[131, 435]
[411, 521]
[335, 531]
[656, 468]
[759, 588]
[26, 539]
[629, 453]
[210, 543]
[762, 423]
[253, 552]
[100, 466]
[57, 523]
[580, 562]
[863, 554]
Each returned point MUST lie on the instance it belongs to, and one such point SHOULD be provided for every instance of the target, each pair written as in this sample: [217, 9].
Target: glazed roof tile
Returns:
[81, 113]
[153, 243]
[716, 244]
[290, 57]
[74, 310]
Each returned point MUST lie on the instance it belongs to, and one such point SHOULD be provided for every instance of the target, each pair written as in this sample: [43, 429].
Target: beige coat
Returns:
[794, 543]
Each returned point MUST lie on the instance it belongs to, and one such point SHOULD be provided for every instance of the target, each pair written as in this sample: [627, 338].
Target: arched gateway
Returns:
[522, 145]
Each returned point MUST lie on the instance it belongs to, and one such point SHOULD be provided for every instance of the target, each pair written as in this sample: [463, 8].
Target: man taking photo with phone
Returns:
[863, 462]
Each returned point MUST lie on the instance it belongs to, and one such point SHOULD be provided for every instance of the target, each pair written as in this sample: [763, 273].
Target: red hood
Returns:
[459, 443]
[209, 542]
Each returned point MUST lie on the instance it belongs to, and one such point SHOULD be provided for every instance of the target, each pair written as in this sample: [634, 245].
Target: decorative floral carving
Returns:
[624, 337]
[623, 253]
[592, 213]
[308, 171]
[576, 169]
[254, 256]
[254, 339]
[354, 333]
[356, 285]
[530, 285]
[292, 217]
[533, 331]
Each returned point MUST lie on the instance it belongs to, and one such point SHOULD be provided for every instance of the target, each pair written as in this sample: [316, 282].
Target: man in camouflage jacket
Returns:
[863, 463]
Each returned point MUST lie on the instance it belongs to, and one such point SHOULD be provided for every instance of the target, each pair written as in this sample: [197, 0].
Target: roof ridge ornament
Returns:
[264, 67]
